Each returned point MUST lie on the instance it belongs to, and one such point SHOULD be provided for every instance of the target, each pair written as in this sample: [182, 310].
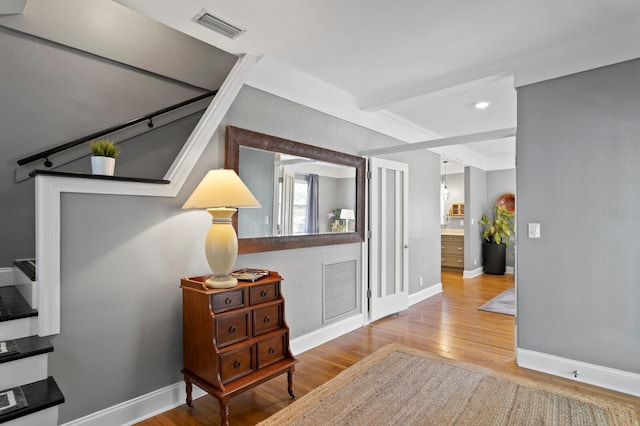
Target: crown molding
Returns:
[272, 76]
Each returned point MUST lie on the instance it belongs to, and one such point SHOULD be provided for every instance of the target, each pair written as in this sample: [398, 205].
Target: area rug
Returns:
[402, 386]
[504, 303]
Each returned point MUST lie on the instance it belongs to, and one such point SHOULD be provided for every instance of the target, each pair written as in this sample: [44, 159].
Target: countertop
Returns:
[452, 231]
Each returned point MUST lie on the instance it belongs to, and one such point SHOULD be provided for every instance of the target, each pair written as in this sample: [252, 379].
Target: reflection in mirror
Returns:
[298, 195]
[309, 195]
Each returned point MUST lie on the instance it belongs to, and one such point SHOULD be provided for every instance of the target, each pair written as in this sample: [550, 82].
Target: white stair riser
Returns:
[48, 417]
[15, 329]
[27, 288]
[6, 277]
[21, 371]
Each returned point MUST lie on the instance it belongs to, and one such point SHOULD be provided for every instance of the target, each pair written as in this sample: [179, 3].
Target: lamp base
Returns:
[221, 281]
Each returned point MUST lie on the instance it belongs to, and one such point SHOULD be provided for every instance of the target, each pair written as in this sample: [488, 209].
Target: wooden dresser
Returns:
[234, 338]
[452, 251]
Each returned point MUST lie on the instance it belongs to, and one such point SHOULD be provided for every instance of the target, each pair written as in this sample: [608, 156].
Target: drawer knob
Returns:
[272, 351]
[263, 293]
[236, 364]
[227, 301]
[232, 330]
[267, 319]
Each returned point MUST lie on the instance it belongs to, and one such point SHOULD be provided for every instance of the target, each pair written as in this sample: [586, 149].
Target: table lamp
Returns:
[220, 192]
[347, 215]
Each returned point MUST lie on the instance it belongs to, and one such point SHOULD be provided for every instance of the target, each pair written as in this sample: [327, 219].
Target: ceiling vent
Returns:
[218, 25]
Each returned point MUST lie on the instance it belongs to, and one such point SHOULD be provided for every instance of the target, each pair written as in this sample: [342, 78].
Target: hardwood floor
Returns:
[448, 324]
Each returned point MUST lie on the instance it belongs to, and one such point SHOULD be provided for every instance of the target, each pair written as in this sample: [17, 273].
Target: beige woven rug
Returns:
[402, 386]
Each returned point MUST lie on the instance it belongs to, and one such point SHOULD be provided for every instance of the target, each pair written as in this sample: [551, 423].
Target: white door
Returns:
[389, 243]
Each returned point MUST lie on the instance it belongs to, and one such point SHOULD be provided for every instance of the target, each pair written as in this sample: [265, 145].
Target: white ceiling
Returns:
[425, 61]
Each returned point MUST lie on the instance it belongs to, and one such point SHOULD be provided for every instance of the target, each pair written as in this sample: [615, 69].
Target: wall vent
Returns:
[218, 25]
[340, 290]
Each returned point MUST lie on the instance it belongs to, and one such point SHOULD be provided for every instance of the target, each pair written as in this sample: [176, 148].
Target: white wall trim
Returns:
[425, 294]
[609, 378]
[140, 408]
[6, 277]
[50, 188]
[315, 338]
[509, 270]
[472, 273]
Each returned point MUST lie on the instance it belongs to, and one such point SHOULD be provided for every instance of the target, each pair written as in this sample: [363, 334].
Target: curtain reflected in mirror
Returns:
[299, 196]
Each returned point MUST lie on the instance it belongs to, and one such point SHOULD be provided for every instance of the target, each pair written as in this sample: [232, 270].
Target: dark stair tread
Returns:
[28, 346]
[28, 266]
[12, 300]
[39, 395]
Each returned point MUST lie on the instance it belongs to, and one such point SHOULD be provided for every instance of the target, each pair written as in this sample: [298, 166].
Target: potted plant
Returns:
[104, 157]
[495, 236]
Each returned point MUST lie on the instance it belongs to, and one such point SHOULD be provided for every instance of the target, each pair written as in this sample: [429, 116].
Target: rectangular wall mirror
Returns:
[310, 196]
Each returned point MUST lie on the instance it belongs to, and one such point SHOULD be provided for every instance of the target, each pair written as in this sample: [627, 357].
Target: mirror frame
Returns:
[236, 137]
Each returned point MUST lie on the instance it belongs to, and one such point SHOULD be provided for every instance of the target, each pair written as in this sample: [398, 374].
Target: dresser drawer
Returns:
[452, 238]
[232, 328]
[263, 293]
[227, 300]
[453, 261]
[267, 318]
[452, 248]
[236, 364]
[271, 350]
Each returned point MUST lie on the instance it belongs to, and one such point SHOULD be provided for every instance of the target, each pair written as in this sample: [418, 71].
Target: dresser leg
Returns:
[290, 383]
[189, 389]
[224, 411]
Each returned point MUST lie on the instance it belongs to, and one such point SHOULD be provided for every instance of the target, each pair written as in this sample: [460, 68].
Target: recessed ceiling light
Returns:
[482, 104]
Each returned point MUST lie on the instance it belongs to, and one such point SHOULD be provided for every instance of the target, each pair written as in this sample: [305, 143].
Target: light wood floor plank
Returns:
[448, 324]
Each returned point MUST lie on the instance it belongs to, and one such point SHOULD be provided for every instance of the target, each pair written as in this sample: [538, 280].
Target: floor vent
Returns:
[218, 25]
[341, 293]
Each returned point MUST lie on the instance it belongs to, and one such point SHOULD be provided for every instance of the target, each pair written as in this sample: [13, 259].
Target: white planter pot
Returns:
[103, 165]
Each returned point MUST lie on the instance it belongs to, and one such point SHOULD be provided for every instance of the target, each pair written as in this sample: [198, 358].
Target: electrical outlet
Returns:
[475, 262]
[266, 220]
[420, 281]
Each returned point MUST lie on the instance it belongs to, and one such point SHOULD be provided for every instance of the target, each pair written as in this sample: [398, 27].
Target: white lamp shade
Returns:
[221, 188]
[347, 214]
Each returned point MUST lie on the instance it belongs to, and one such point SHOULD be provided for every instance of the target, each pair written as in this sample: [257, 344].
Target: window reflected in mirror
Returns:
[299, 196]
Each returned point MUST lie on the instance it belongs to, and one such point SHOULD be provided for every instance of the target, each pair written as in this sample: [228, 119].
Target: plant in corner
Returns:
[105, 152]
[496, 234]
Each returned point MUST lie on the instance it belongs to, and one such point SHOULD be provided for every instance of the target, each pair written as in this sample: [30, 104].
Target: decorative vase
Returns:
[494, 258]
[103, 165]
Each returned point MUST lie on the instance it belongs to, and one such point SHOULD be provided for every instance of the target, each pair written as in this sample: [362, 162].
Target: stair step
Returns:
[13, 306]
[26, 347]
[28, 267]
[39, 395]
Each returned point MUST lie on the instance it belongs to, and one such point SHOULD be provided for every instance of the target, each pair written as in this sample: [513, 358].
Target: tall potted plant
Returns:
[496, 234]
[105, 152]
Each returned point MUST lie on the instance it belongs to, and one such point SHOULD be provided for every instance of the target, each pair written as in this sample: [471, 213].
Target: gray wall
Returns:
[53, 94]
[475, 204]
[257, 173]
[121, 305]
[500, 182]
[578, 175]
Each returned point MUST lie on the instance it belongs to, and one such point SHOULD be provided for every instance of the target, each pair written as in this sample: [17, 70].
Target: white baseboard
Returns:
[169, 397]
[605, 377]
[318, 337]
[509, 270]
[473, 273]
[6, 277]
[140, 408]
[425, 294]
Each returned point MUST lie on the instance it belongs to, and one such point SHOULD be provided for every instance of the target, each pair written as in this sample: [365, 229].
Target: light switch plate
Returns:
[534, 230]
